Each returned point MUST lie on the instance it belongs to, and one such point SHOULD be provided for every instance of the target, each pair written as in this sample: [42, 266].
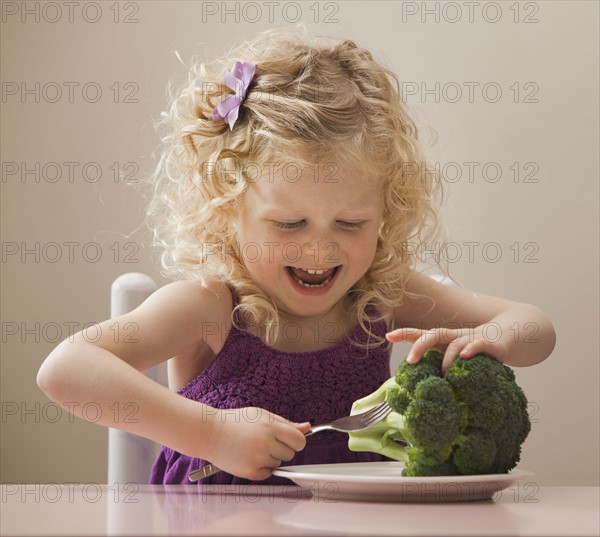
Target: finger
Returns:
[304, 427]
[296, 440]
[454, 348]
[281, 452]
[404, 334]
[262, 463]
[274, 462]
[293, 434]
[280, 419]
[431, 339]
[301, 426]
[262, 473]
[482, 346]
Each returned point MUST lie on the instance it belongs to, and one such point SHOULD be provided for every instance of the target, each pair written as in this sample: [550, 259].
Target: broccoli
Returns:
[472, 420]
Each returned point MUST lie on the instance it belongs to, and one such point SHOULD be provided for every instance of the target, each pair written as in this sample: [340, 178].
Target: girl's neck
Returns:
[298, 334]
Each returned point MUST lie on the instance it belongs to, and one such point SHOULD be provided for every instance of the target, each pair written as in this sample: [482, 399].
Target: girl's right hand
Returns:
[250, 442]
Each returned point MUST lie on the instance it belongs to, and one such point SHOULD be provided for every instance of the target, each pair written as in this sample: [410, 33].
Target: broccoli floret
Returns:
[432, 418]
[475, 452]
[472, 420]
[398, 399]
[408, 376]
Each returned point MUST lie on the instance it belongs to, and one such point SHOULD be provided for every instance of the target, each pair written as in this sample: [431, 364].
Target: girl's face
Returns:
[307, 237]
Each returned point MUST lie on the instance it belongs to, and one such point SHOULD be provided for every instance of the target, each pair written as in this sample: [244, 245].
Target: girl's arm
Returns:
[107, 373]
[465, 323]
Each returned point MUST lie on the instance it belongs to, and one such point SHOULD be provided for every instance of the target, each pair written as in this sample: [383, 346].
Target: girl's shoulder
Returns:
[205, 306]
[214, 293]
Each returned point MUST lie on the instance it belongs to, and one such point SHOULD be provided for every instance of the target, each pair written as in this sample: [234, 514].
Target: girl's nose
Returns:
[323, 251]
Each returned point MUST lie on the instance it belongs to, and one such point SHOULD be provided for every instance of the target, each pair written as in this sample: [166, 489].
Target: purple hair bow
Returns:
[238, 80]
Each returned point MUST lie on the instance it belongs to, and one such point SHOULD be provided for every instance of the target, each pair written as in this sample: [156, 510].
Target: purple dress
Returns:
[317, 386]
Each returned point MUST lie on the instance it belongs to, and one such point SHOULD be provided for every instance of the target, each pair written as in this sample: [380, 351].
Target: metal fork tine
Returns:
[375, 410]
[374, 414]
[383, 410]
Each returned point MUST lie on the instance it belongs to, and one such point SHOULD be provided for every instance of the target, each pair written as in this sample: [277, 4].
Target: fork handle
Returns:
[317, 428]
[202, 472]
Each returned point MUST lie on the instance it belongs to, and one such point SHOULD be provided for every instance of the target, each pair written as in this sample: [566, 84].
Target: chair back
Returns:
[130, 457]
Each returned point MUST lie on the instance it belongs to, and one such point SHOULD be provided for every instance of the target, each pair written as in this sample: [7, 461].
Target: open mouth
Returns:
[312, 277]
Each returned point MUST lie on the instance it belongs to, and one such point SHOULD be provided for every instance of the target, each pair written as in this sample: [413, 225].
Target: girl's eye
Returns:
[300, 223]
[351, 225]
[289, 225]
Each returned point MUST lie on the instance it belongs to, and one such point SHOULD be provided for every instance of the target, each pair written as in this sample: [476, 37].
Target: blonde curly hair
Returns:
[310, 96]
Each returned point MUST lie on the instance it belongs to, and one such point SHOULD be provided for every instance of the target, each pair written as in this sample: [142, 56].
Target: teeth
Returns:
[313, 271]
[330, 273]
[312, 285]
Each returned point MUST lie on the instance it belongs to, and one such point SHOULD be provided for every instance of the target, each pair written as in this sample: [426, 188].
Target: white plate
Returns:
[382, 481]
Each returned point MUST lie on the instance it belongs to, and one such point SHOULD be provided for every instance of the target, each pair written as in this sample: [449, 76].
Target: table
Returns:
[91, 509]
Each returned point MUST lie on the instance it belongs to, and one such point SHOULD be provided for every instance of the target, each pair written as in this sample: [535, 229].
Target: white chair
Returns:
[130, 457]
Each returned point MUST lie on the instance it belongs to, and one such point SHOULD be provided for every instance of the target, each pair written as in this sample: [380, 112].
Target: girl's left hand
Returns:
[465, 342]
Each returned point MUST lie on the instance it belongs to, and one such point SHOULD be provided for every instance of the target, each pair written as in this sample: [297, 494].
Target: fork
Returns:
[347, 424]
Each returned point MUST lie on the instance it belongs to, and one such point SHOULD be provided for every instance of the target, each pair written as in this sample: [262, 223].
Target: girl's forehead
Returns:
[323, 183]
[285, 176]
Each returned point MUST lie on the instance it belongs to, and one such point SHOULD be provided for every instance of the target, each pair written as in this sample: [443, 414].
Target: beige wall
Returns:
[545, 231]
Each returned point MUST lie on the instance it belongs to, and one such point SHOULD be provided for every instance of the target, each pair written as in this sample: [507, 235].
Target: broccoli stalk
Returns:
[472, 420]
[381, 438]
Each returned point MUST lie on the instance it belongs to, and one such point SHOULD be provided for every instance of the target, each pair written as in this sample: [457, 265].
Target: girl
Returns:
[291, 201]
